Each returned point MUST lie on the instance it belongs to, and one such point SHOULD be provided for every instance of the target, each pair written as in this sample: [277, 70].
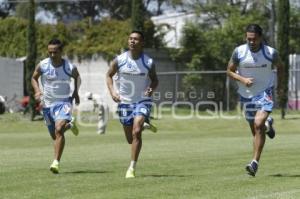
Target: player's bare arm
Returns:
[77, 83]
[231, 71]
[154, 81]
[35, 83]
[113, 68]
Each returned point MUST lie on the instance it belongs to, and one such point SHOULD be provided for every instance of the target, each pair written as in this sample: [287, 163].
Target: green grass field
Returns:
[186, 159]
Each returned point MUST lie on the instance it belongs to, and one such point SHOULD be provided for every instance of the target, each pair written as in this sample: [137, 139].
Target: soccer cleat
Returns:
[150, 126]
[269, 127]
[130, 173]
[74, 127]
[251, 168]
[55, 167]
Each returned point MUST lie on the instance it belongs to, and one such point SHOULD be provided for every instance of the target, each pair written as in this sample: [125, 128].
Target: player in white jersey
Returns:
[251, 65]
[56, 74]
[136, 82]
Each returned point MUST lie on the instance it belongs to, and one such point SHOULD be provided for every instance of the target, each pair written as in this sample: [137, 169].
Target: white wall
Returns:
[93, 73]
[174, 24]
[11, 77]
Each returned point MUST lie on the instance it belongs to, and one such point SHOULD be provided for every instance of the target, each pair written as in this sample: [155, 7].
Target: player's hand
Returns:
[76, 97]
[148, 92]
[38, 96]
[248, 81]
[116, 97]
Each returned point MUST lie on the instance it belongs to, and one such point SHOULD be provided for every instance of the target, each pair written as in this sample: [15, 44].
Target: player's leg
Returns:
[49, 121]
[267, 105]
[258, 128]
[270, 131]
[148, 125]
[137, 137]
[61, 113]
[60, 138]
[128, 133]
[59, 144]
[126, 119]
[130, 173]
[141, 112]
[250, 114]
[260, 137]
[72, 125]
[136, 144]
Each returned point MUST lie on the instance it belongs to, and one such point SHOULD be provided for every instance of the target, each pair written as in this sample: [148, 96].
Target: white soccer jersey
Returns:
[55, 81]
[132, 77]
[256, 65]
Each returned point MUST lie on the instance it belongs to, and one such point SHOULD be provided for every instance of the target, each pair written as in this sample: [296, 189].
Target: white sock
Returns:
[56, 161]
[255, 161]
[132, 164]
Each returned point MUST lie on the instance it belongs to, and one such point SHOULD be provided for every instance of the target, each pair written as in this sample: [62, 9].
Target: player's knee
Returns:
[59, 129]
[136, 135]
[258, 126]
[136, 131]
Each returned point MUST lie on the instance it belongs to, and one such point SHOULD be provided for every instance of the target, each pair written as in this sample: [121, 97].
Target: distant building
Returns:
[172, 24]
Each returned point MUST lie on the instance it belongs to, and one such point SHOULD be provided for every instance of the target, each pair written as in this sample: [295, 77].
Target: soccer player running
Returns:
[251, 66]
[136, 82]
[56, 74]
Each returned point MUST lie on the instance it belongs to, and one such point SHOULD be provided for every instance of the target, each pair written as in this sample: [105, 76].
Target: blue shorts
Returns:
[262, 102]
[127, 112]
[59, 111]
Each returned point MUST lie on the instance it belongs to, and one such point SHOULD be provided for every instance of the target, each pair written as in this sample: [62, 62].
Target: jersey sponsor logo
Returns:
[256, 66]
[133, 74]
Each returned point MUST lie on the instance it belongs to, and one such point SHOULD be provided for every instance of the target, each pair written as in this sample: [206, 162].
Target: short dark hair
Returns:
[254, 28]
[56, 42]
[139, 32]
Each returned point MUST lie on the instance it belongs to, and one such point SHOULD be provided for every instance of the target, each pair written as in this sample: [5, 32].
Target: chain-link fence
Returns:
[207, 87]
[213, 87]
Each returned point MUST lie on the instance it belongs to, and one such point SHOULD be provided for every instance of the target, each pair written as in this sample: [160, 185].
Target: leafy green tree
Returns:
[94, 10]
[22, 10]
[137, 15]
[13, 37]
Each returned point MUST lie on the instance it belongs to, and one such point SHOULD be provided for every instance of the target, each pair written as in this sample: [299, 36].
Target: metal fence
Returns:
[172, 88]
[194, 86]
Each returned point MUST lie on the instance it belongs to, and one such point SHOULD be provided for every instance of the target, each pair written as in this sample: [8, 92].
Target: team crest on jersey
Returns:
[131, 66]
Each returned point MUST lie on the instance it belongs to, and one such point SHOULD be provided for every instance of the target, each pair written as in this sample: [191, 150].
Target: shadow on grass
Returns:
[84, 172]
[165, 176]
[285, 175]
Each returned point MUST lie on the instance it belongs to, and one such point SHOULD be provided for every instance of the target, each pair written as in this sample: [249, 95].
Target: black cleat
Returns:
[251, 168]
[270, 132]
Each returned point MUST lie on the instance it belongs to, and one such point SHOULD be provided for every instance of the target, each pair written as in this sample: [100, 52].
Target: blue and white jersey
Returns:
[256, 65]
[55, 81]
[132, 77]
